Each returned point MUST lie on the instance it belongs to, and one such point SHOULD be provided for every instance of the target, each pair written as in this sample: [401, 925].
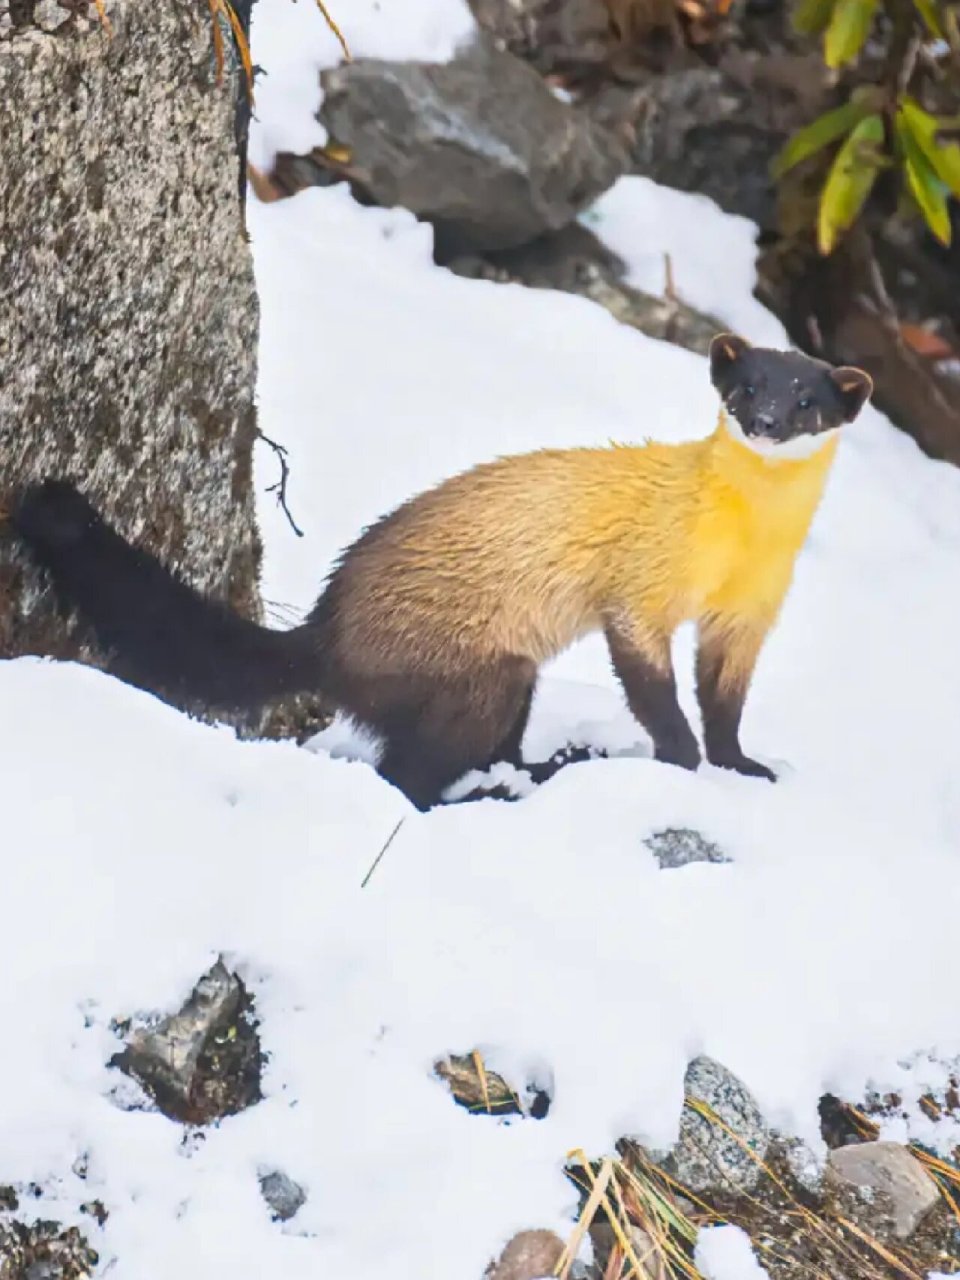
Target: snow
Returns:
[725, 1253]
[140, 844]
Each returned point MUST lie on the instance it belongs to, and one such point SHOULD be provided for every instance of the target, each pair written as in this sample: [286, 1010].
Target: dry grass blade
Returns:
[587, 1215]
[328, 19]
[663, 1222]
[888, 1256]
[224, 9]
[243, 47]
[635, 1200]
[105, 22]
[936, 1165]
[866, 1127]
[481, 1071]
[951, 1202]
[620, 1221]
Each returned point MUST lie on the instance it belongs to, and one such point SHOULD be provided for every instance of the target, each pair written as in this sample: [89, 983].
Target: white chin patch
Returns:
[787, 450]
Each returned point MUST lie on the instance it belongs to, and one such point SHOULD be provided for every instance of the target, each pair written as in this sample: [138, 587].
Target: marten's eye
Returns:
[749, 390]
[805, 403]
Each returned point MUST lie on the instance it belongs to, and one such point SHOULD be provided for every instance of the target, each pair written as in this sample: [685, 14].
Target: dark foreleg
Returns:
[726, 657]
[644, 667]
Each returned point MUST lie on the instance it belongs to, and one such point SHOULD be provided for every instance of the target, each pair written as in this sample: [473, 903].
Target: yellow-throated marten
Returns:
[432, 627]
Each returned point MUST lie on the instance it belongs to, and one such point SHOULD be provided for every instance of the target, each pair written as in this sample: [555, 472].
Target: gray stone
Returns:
[715, 130]
[128, 356]
[479, 146]
[557, 37]
[706, 1156]
[528, 1256]
[202, 1062]
[679, 846]
[886, 1186]
[805, 1166]
[284, 1196]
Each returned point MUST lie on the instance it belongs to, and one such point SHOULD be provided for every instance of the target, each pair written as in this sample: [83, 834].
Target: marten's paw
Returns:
[744, 765]
[52, 514]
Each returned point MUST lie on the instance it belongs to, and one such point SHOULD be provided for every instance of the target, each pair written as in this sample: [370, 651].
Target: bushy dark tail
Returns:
[157, 632]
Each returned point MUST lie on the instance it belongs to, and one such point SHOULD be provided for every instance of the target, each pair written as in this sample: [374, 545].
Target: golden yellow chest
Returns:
[752, 518]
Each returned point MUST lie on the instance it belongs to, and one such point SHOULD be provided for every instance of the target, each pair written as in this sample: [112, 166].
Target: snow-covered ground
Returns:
[138, 844]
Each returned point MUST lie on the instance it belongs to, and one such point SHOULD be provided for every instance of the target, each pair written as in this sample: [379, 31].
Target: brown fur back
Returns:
[519, 556]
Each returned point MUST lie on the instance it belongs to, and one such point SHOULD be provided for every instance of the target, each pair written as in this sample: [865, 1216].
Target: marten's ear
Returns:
[725, 350]
[855, 389]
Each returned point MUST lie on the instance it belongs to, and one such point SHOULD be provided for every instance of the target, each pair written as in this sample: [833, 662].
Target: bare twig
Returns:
[670, 286]
[377, 859]
[672, 300]
[280, 488]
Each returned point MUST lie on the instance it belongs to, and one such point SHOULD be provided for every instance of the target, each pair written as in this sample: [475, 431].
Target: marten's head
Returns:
[782, 403]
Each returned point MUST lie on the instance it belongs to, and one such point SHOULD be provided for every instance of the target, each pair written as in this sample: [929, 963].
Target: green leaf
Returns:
[925, 187]
[942, 157]
[815, 136]
[927, 10]
[810, 17]
[850, 181]
[849, 27]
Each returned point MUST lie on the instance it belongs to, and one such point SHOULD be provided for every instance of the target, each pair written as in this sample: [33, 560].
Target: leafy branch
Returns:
[882, 126]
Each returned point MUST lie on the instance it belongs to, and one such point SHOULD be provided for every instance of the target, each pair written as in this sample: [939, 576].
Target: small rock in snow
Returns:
[528, 1256]
[284, 1196]
[679, 846]
[476, 1088]
[203, 1062]
[884, 1184]
[705, 1155]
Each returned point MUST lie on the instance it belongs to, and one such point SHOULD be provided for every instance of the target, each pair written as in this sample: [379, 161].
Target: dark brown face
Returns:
[781, 396]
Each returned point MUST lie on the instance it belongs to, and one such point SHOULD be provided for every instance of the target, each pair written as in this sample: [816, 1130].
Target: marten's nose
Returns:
[763, 424]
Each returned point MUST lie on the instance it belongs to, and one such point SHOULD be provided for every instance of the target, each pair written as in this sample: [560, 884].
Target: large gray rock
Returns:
[129, 320]
[478, 146]
[883, 1185]
[723, 1156]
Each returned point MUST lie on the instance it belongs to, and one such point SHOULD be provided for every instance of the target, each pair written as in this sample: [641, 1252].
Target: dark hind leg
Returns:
[511, 751]
[433, 739]
[511, 748]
